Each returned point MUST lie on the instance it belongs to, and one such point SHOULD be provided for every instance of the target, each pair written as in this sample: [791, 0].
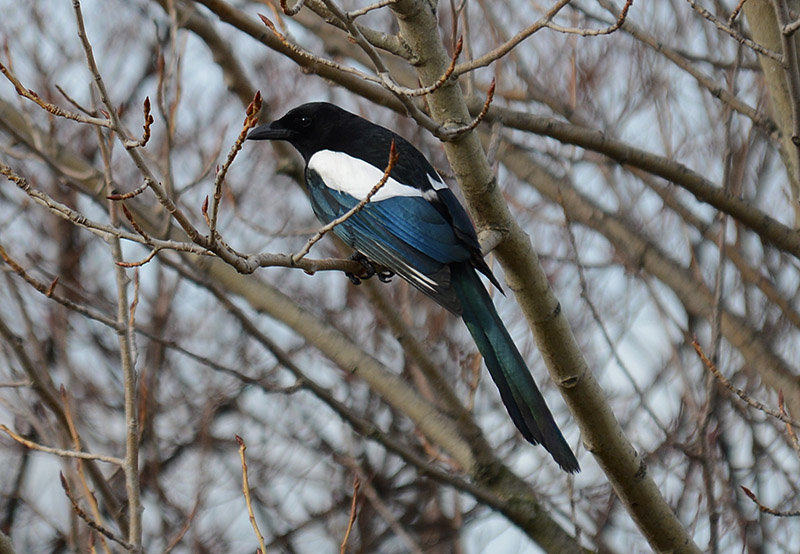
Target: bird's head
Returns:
[309, 128]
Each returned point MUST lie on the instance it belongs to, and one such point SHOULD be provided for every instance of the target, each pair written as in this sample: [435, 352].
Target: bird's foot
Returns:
[384, 275]
[369, 269]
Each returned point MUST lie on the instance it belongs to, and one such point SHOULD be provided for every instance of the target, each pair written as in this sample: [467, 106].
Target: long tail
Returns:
[522, 398]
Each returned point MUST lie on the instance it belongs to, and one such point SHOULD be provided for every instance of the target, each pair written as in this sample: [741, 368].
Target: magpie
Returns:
[416, 228]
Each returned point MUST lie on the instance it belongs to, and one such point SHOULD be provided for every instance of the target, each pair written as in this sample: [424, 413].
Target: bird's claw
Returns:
[353, 279]
[385, 276]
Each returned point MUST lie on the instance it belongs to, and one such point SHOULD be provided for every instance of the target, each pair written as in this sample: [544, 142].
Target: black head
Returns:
[311, 127]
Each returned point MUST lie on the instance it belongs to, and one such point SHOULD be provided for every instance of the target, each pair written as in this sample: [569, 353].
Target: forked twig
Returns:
[451, 134]
[52, 108]
[390, 83]
[623, 14]
[393, 156]
[735, 12]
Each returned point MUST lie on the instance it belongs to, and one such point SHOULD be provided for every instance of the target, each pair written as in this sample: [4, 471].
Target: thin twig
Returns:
[594, 32]
[74, 102]
[393, 155]
[148, 121]
[789, 429]
[86, 311]
[740, 393]
[16, 384]
[134, 224]
[366, 9]
[89, 521]
[383, 71]
[451, 134]
[100, 229]
[735, 12]
[766, 509]
[381, 508]
[128, 195]
[76, 445]
[250, 121]
[353, 513]
[52, 108]
[60, 452]
[141, 262]
[735, 34]
[247, 499]
[291, 12]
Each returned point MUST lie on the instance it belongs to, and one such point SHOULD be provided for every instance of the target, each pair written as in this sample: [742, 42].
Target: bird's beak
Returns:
[269, 132]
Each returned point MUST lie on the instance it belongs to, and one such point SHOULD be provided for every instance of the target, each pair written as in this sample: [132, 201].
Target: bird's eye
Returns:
[305, 121]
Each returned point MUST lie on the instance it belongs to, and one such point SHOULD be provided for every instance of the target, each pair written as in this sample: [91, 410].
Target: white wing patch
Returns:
[437, 182]
[356, 177]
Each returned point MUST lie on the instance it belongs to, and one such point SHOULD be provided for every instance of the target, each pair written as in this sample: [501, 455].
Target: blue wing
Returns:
[407, 234]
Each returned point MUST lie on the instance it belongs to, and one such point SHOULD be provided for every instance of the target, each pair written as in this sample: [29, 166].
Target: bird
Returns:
[414, 226]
